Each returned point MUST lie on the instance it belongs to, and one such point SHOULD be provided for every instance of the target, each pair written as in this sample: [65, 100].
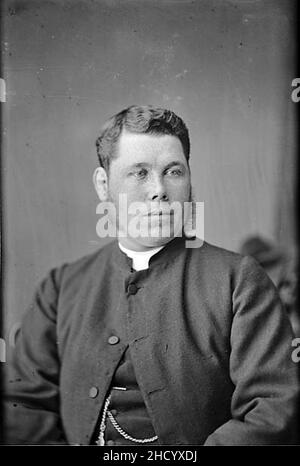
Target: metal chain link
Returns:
[127, 436]
[106, 412]
[101, 441]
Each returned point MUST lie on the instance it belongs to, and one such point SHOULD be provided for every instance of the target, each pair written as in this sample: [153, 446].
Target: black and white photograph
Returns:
[149, 225]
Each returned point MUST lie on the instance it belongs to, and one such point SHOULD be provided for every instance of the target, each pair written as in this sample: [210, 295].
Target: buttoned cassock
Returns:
[208, 338]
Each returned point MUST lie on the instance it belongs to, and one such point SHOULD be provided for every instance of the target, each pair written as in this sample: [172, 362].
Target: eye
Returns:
[140, 174]
[174, 172]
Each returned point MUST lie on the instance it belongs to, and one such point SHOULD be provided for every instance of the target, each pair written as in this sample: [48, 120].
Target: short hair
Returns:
[140, 120]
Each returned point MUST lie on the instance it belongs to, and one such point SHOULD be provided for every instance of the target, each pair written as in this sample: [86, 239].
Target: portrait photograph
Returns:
[149, 225]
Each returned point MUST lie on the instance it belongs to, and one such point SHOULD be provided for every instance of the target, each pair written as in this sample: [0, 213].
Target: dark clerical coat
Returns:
[208, 338]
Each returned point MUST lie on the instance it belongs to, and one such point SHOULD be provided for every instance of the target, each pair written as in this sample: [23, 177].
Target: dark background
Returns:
[225, 66]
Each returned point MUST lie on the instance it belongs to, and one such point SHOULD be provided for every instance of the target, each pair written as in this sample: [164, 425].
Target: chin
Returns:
[157, 238]
[154, 242]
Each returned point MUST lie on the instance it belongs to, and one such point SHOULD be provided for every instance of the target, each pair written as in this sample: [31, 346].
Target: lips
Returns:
[159, 213]
[155, 210]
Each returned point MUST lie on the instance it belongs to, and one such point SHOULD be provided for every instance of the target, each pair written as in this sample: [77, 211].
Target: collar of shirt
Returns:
[140, 259]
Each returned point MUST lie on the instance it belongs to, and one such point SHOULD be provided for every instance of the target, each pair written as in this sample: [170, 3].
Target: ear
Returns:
[101, 183]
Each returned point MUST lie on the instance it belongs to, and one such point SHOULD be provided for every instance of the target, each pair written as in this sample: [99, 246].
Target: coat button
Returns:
[114, 412]
[110, 443]
[113, 340]
[132, 288]
[93, 392]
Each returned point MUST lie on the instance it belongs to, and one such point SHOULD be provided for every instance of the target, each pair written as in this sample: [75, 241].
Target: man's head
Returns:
[139, 120]
[143, 154]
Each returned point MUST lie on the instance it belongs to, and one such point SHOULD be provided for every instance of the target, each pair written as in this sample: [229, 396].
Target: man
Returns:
[148, 341]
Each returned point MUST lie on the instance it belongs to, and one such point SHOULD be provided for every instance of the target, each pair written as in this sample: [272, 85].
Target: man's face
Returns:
[151, 169]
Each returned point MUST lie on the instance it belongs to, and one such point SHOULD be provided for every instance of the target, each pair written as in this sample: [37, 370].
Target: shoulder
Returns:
[86, 266]
[216, 256]
[223, 263]
[217, 253]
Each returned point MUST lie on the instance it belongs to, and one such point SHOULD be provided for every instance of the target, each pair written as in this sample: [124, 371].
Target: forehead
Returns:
[149, 148]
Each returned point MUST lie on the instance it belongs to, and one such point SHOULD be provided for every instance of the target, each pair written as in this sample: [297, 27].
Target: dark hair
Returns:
[140, 119]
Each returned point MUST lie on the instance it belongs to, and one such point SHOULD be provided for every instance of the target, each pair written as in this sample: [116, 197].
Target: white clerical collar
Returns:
[140, 259]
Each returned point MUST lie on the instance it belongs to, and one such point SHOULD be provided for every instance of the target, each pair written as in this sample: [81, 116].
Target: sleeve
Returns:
[265, 402]
[31, 382]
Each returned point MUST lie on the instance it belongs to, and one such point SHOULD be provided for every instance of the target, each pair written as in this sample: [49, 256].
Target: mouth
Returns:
[159, 213]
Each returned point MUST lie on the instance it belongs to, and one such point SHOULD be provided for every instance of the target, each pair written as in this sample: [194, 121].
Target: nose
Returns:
[157, 191]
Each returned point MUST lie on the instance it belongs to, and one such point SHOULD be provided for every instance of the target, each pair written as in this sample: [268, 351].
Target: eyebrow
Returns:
[145, 164]
[173, 164]
[139, 164]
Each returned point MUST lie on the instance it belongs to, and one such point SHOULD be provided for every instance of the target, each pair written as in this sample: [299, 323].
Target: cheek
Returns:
[133, 191]
[179, 191]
